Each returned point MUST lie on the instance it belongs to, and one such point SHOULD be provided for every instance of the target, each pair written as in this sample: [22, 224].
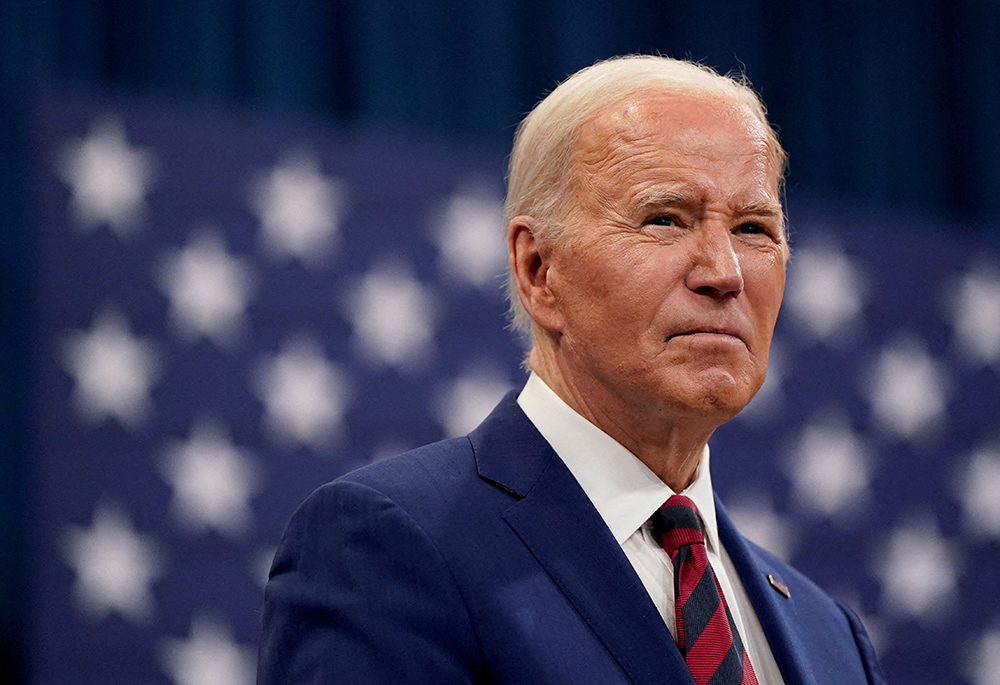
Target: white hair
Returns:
[539, 172]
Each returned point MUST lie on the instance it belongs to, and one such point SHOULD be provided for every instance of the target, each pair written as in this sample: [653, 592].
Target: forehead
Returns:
[677, 132]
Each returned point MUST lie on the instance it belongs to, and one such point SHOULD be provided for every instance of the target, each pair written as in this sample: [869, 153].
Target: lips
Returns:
[710, 331]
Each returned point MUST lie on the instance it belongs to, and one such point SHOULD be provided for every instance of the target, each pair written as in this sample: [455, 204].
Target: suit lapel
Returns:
[775, 612]
[568, 537]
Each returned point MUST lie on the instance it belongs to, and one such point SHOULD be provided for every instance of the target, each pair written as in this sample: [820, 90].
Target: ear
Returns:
[531, 264]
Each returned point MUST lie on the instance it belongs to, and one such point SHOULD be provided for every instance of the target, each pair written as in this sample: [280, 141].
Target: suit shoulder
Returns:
[425, 470]
[429, 484]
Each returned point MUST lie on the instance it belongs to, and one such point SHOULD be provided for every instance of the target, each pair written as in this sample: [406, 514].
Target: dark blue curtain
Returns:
[881, 104]
[891, 103]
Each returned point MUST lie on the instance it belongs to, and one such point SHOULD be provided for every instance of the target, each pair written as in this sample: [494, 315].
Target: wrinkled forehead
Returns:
[686, 123]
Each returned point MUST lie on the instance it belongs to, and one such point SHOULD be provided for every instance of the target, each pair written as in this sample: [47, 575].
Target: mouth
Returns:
[711, 333]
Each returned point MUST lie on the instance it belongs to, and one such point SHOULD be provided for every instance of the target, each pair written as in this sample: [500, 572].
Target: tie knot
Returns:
[676, 524]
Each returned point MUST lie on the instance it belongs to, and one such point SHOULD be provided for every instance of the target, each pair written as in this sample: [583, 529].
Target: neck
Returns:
[671, 446]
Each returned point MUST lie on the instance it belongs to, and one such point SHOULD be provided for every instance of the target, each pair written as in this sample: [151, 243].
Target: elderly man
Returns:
[574, 537]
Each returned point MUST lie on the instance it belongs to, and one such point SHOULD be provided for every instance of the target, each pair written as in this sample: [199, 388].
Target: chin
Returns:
[719, 393]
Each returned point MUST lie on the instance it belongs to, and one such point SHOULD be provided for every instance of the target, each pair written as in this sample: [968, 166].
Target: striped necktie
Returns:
[706, 632]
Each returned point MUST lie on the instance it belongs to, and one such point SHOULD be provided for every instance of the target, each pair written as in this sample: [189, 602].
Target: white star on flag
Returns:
[466, 401]
[825, 291]
[983, 664]
[908, 391]
[757, 520]
[113, 370]
[470, 237]
[977, 315]
[212, 481]
[980, 493]
[209, 656]
[392, 314]
[299, 209]
[303, 393]
[208, 289]
[107, 177]
[830, 471]
[114, 565]
[919, 572]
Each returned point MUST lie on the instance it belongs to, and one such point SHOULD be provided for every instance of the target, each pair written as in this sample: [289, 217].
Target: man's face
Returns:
[668, 288]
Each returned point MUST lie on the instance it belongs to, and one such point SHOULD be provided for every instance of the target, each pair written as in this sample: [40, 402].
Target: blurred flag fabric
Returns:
[230, 310]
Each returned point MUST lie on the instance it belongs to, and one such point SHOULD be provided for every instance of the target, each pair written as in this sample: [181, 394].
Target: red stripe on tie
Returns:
[705, 656]
[749, 677]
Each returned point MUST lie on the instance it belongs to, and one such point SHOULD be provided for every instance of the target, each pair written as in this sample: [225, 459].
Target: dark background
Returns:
[885, 106]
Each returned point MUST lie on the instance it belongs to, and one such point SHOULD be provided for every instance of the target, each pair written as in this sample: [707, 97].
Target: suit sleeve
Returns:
[358, 593]
[865, 648]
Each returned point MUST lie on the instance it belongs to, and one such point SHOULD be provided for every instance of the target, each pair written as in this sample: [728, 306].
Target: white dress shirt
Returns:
[626, 493]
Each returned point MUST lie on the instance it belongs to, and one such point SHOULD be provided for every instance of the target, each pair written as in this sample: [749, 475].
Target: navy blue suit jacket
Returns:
[481, 560]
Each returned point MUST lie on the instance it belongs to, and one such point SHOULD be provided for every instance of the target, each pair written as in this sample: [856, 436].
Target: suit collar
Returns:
[568, 537]
[509, 452]
[622, 488]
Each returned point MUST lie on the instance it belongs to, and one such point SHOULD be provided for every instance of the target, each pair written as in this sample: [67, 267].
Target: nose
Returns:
[716, 270]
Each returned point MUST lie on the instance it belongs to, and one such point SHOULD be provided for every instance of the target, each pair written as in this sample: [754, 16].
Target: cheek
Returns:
[619, 281]
[583, 292]
[764, 283]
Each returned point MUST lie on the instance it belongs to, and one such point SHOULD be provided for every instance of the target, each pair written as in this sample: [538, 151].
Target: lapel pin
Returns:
[779, 586]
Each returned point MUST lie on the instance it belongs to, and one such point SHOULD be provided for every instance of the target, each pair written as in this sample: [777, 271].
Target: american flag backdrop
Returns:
[230, 310]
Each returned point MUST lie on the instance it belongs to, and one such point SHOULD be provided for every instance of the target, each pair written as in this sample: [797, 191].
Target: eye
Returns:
[754, 228]
[663, 220]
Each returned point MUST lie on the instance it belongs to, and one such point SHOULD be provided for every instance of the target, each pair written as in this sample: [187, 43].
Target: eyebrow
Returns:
[662, 198]
[681, 198]
[770, 210]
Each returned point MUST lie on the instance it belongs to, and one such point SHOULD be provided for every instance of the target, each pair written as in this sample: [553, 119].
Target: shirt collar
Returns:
[624, 491]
